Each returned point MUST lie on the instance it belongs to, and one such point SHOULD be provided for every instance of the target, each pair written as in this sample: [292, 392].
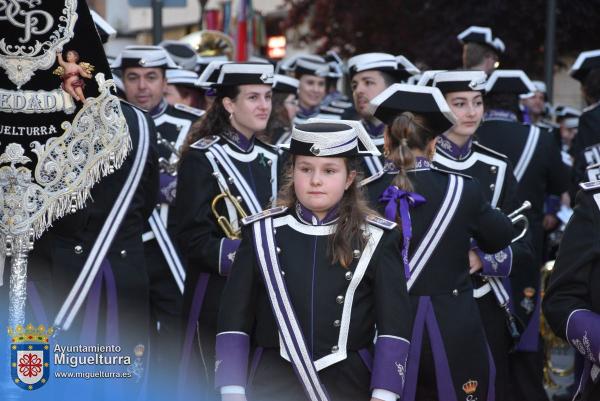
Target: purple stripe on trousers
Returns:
[192, 323]
[440, 359]
[491, 396]
[112, 303]
[414, 354]
[254, 364]
[92, 308]
[36, 304]
[270, 269]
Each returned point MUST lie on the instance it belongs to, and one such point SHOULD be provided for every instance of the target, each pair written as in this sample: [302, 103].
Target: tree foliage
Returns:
[425, 30]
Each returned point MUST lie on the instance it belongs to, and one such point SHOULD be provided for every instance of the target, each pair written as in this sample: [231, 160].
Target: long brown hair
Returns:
[353, 211]
[408, 131]
[215, 121]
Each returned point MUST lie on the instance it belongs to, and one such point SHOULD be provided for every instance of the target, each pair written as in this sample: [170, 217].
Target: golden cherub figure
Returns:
[71, 71]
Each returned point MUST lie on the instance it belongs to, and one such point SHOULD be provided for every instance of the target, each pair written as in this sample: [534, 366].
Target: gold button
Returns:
[455, 292]
[339, 299]
[78, 249]
[356, 254]
[123, 253]
[335, 349]
[348, 276]
[336, 323]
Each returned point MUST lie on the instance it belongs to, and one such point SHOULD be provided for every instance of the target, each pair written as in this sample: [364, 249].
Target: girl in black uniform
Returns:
[311, 280]
[440, 213]
[222, 156]
[457, 151]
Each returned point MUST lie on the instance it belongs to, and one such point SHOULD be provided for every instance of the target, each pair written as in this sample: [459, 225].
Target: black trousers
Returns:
[274, 379]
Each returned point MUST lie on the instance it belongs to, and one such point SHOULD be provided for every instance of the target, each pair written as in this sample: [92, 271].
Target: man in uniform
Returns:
[144, 77]
[311, 70]
[481, 51]
[371, 74]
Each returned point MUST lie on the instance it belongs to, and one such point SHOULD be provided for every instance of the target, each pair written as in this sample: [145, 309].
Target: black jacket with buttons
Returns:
[318, 290]
[545, 175]
[494, 172]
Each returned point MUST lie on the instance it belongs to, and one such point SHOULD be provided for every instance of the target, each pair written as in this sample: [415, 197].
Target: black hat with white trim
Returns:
[539, 86]
[423, 100]
[311, 66]
[285, 84]
[182, 53]
[203, 61]
[105, 30]
[289, 64]
[145, 57]
[483, 36]
[397, 66]
[336, 65]
[567, 115]
[233, 74]
[331, 138]
[182, 78]
[460, 81]
[509, 81]
[211, 73]
[427, 77]
[585, 63]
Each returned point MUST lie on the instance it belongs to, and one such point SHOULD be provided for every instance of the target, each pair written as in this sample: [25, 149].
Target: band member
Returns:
[567, 118]
[371, 74]
[285, 108]
[586, 70]
[334, 97]
[311, 72]
[181, 83]
[539, 171]
[571, 304]
[143, 71]
[481, 50]
[316, 316]
[224, 174]
[440, 213]
[457, 151]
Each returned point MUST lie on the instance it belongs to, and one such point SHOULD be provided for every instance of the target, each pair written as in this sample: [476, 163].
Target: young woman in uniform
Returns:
[440, 212]
[222, 166]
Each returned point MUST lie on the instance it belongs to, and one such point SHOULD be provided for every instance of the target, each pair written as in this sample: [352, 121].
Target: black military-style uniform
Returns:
[123, 284]
[495, 174]
[214, 164]
[173, 123]
[574, 286]
[336, 307]
[540, 171]
[442, 291]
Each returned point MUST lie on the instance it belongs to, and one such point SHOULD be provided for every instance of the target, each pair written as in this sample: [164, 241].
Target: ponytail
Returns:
[408, 131]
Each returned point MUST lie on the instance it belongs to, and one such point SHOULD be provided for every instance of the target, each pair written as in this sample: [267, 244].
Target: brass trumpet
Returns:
[518, 217]
[225, 224]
